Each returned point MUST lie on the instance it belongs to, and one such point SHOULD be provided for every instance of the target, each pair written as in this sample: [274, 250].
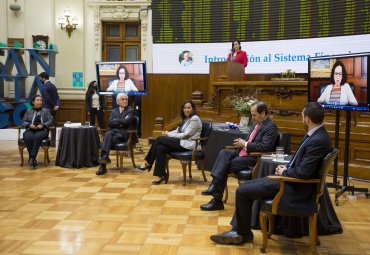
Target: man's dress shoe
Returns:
[210, 191]
[104, 159]
[213, 205]
[102, 170]
[232, 237]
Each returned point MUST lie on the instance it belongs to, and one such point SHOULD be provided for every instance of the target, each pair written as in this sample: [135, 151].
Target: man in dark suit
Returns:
[262, 138]
[297, 198]
[120, 119]
[50, 99]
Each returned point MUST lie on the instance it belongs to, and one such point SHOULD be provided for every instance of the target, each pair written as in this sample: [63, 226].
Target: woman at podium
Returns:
[237, 54]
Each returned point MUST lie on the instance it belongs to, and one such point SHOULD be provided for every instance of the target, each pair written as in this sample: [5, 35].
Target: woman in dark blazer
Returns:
[37, 121]
[95, 104]
[176, 140]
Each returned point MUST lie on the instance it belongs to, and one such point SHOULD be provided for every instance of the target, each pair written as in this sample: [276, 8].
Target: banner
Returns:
[263, 56]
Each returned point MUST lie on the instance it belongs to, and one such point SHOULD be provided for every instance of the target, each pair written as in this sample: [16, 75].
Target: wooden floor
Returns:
[55, 210]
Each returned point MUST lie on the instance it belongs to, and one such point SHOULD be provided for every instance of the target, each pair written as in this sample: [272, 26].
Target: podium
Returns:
[226, 71]
[221, 72]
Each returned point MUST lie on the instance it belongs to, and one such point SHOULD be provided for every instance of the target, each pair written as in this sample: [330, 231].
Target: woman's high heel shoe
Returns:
[144, 167]
[162, 179]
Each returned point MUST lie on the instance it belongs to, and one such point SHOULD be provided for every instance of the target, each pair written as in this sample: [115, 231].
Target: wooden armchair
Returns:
[250, 174]
[186, 157]
[270, 207]
[45, 145]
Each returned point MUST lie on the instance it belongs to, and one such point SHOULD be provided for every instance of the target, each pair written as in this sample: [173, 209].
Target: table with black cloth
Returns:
[78, 147]
[327, 220]
[217, 141]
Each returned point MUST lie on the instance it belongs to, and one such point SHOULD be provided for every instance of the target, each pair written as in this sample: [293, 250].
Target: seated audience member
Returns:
[299, 198]
[122, 82]
[37, 121]
[176, 140]
[338, 91]
[95, 104]
[120, 119]
[262, 138]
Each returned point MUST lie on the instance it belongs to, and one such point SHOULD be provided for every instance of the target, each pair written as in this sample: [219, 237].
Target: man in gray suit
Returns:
[262, 138]
[298, 198]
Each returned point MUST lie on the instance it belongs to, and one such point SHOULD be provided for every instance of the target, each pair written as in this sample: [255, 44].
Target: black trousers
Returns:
[99, 114]
[228, 161]
[54, 131]
[158, 151]
[246, 194]
[111, 137]
[33, 139]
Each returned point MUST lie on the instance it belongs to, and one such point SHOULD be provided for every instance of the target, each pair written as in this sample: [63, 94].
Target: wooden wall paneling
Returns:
[166, 92]
[71, 110]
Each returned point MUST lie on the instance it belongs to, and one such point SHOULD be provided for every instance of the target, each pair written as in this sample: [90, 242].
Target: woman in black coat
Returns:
[95, 104]
[37, 121]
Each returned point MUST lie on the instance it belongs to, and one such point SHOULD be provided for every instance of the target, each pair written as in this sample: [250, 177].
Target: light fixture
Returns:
[64, 22]
[15, 7]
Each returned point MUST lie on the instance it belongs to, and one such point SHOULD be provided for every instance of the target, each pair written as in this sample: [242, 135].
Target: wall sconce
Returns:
[64, 22]
[15, 7]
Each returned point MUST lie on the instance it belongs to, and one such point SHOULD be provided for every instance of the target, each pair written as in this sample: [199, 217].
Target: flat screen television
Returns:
[340, 81]
[122, 76]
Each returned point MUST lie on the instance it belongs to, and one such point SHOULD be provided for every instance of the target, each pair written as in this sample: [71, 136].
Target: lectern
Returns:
[226, 71]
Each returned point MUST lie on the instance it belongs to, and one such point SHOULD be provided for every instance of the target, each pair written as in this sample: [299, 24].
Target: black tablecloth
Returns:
[217, 141]
[327, 220]
[78, 147]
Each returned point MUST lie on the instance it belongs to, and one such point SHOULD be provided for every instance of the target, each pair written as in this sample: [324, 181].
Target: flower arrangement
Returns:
[242, 104]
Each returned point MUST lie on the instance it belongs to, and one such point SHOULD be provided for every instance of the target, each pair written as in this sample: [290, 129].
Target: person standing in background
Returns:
[237, 54]
[51, 100]
[95, 104]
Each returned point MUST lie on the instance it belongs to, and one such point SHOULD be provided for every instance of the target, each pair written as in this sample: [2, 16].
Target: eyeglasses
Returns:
[339, 74]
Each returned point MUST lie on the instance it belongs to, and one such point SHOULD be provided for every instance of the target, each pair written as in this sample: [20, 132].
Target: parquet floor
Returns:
[55, 210]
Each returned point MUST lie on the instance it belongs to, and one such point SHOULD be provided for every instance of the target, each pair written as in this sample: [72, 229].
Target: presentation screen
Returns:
[340, 82]
[123, 76]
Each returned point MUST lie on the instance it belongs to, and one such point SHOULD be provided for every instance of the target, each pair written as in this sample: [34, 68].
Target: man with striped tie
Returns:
[262, 138]
[298, 198]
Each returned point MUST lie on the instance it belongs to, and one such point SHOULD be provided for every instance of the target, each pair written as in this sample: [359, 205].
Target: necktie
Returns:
[291, 162]
[243, 152]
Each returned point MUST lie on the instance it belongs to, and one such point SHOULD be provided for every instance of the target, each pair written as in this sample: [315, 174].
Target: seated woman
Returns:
[37, 121]
[176, 140]
[122, 82]
[338, 91]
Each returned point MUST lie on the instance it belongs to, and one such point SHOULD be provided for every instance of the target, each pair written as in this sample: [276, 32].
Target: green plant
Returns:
[242, 104]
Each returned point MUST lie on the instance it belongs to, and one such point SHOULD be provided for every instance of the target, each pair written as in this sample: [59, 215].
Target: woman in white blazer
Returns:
[176, 140]
[338, 91]
[122, 82]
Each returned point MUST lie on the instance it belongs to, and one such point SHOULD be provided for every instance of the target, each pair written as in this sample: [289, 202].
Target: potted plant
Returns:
[242, 105]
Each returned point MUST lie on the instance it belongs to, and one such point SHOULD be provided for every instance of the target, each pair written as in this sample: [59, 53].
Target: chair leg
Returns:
[117, 158]
[204, 175]
[313, 233]
[184, 165]
[132, 157]
[21, 148]
[190, 176]
[263, 222]
[226, 195]
[46, 155]
[167, 169]
[271, 225]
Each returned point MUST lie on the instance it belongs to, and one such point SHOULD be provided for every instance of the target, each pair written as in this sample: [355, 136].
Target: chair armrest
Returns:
[232, 147]
[283, 180]
[198, 139]
[291, 179]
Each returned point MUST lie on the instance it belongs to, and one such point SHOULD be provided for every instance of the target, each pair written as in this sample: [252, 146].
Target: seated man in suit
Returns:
[298, 198]
[120, 119]
[261, 139]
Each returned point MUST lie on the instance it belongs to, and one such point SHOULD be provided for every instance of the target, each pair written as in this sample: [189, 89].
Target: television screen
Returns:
[116, 77]
[340, 81]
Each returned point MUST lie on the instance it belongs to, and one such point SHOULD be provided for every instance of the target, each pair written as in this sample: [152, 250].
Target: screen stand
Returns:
[343, 188]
